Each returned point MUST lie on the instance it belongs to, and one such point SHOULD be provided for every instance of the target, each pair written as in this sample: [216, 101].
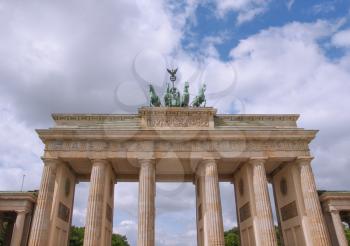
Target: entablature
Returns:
[163, 130]
[152, 134]
[175, 118]
[221, 146]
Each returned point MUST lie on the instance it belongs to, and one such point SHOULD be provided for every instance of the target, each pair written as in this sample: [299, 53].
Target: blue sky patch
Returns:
[228, 33]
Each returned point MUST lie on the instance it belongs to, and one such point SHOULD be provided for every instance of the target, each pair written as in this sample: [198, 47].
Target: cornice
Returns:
[333, 195]
[148, 134]
[28, 196]
[233, 117]
[259, 117]
[92, 117]
[162, 117]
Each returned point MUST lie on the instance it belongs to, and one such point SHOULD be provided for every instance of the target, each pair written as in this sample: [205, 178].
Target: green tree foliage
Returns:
[232, 237]
[77, 238]
[119, 240]
[347, 234]
[3, 228]
[278, 235]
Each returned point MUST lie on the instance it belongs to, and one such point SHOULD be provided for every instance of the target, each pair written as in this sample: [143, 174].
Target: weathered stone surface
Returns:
[210, 204]
[40, 230]
[317, 228]
[18, 228]
[147, 193]
[98, 229]
[265, 228]
[184, 144]
[164, 117]
[333, 204]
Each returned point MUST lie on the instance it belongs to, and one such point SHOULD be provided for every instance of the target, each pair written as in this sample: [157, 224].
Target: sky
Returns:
[256, 56]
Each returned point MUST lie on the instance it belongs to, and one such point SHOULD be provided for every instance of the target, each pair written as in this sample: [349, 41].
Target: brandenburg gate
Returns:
[180, 144]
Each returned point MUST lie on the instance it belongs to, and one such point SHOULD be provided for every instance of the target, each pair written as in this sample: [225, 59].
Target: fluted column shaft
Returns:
[94, 215]
[318, 230]
[212, 205]
[339, 228]
[40, 227]
[146, 203]
[18, 228]
[265, 226]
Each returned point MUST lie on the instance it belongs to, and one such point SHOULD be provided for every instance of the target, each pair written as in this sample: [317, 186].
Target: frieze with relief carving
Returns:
[178, 146]
[177, 117]
[174, 121]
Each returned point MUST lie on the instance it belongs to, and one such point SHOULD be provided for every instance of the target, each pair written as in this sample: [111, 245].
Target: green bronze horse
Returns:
[167, 97]
[154, 99]
[175, 97]
[200, 98]
[185, 99]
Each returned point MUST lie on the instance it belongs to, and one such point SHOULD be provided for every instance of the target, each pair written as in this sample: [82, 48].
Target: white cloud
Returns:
[324, 7]
[342, 39]
[290, 4]
[286, 70]
[66, 57]
[247, 10]
[128, 228]
[62, 48]
[166, 238]
[250, 14]
[20, 152]
[80, 203]
[228, 205]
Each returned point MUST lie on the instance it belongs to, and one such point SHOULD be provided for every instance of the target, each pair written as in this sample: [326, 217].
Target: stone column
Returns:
[18, 228]
[316, 224]
[94, 214]
[147, 186]
[40, 227]
[265, 227]
[213, 224]
[339, 228]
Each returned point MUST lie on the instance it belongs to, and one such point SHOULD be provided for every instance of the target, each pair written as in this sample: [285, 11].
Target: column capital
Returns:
[53, 162]
[99, 161]
[333, 210]
[257, 160]
[202, 163]
[206, 160]
[146, 162]
[303, 160]
[22, 211]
